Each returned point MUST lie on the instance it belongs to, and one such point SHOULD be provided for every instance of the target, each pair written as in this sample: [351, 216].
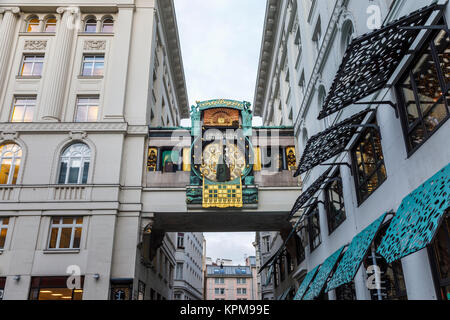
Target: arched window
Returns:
[347, 35]
[74, 164]
[10, 156]
[50, 25]
[33, 24]
[90, 25]
[107, 25]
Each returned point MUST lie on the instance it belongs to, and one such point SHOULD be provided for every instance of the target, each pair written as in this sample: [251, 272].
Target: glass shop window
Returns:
[300, 249]
[314, 228]
[54, 288]
[392, 286]
[334, 203]
[424, 99]
[346, 291]
[440, 258]
[368, 162]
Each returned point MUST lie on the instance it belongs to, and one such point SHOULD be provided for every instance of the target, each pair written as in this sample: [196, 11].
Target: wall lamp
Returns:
[96, 276]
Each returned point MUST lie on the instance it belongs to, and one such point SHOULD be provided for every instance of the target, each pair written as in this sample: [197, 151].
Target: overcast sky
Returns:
[220, 44]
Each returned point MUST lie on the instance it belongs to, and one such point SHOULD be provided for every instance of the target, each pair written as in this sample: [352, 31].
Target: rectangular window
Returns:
[392, 282]
[93, 65]
[65, 233]
[346, 291]
[266, 243]
[32, 65]
[87, 109]
[3, 231]
[219, 280]
[424, 92]
[55, 288]
[314, 228]
[440, 258]
[334, 203]
[300, 249]
[368, 161]
[220, 291]
[179, 271]
[23, 109]
[180, 241]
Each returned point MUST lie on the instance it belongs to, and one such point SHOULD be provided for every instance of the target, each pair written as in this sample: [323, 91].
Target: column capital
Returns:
[71, 10]
[14, 10]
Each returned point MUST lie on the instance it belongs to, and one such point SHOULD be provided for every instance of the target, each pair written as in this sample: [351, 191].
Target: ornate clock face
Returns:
[212, 154]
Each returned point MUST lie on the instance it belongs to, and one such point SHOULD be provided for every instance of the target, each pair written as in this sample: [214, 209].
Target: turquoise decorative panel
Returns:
[354, 255]
[304, 286]
[417, 218]
[321, 278]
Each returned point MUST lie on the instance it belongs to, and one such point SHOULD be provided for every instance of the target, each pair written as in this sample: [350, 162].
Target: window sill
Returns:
[37, 33]
[57, 251]
[82, 33]
[90, 77]
[28, 77]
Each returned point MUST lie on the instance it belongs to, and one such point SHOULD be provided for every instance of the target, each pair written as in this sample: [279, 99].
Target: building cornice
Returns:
[169, 21]
[266, 53]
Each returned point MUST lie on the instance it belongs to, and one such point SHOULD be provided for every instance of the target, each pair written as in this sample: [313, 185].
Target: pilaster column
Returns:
[54, 88]
[7, 27]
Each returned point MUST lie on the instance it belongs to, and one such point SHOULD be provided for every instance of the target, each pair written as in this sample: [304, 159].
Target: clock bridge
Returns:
[220, 175]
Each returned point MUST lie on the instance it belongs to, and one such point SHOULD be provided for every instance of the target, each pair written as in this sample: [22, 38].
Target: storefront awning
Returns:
[321, 278]
[329, 143]
[309, 193]
[305, 284]
[418, 217]
[371, 60]
[354, 255]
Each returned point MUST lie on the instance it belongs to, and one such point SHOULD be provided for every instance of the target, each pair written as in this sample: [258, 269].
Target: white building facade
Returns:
[80, 84]
[304, 45]
[188, 284]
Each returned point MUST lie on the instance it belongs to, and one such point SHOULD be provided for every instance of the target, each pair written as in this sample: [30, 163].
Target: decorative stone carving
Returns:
[94, 45]
[5, 136]
[35, 45]
[77, 135]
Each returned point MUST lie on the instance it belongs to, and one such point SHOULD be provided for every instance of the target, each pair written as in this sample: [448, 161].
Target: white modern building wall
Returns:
[303, 46]
[188, 284]
[80, 83]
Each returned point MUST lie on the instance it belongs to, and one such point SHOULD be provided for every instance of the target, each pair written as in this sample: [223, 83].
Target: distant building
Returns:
[188, 282]
[224, 281]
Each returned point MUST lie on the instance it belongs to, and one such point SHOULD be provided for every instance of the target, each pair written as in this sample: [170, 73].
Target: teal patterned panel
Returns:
[304, 285]
[417, 218]
[354, 255]
[321, 278]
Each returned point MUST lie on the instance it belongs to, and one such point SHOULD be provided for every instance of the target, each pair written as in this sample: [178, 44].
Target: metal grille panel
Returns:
[353, 257]
[370, 61]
